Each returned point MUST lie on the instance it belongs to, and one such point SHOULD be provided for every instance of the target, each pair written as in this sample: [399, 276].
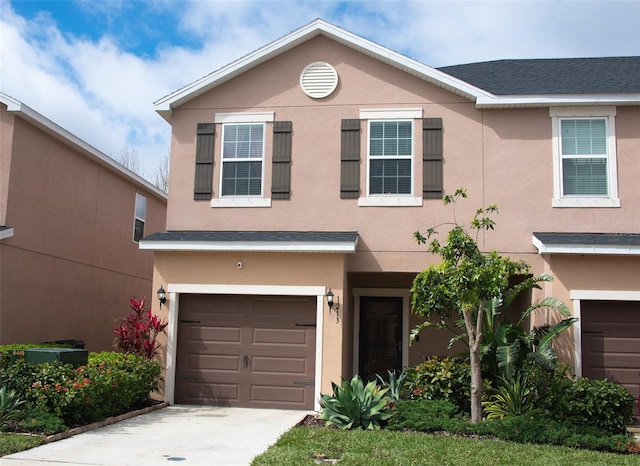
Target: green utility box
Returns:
[76, 357]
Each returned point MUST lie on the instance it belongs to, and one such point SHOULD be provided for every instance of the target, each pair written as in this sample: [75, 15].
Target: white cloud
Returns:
[104, 94]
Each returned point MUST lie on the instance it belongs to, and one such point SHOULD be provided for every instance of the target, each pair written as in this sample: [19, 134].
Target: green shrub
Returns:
[543, 430]
[37, 420]
[436, 416]
[514, 396]
[426, 416]
[110, 384]
[445, 379]
[355, 405]
[582, 401]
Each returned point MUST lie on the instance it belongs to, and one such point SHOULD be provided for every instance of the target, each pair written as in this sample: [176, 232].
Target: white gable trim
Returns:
[165, 105]
[515, 101]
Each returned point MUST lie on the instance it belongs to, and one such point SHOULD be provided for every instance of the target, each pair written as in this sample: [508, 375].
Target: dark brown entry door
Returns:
[380, 336]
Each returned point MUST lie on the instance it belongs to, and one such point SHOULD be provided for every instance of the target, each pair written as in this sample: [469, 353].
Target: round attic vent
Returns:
[318, 80]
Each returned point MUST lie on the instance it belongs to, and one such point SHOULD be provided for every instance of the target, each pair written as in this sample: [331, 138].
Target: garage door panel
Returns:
[280, 337]
[246, 351]
[216, 362]
[269, 394]
[215, 334]
[280, 366]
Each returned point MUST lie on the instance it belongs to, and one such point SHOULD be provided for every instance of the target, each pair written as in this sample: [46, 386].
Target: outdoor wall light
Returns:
[333, 300]
[161, 296]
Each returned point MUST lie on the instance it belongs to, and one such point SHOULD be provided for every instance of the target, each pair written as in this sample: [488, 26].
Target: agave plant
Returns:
[9, 405]
[355, 405]
[394, 384]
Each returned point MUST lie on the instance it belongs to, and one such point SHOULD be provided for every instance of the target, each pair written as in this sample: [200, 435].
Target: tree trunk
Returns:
[474, 330]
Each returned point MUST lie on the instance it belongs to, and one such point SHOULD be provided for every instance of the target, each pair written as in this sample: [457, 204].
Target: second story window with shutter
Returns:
[242, 159]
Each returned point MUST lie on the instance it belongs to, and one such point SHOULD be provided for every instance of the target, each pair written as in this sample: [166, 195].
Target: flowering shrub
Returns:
[138, 332]
[110, 384]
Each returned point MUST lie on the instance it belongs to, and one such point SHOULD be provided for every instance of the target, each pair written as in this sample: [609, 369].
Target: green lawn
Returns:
[300, 446]
[13, 443]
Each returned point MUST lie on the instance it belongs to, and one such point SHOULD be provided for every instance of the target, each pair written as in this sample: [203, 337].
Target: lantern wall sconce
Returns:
[333, 301]
[162, 296]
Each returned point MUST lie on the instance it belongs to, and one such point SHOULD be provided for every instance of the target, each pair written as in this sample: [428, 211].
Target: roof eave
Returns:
[344, 247]
[592, 249]
[552, 100]
[165, 105]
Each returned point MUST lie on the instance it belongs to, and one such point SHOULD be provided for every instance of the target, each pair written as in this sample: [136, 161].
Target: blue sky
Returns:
[95, 67]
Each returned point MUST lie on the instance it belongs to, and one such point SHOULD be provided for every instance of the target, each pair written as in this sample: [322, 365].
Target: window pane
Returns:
[585, 177]
[243, 141]
[141, 207]
[242, 178]
[390, 177]
[584, 137]
[138, 230]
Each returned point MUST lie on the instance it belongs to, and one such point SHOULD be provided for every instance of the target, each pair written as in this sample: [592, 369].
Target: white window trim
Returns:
[255, 117]
[257, 200]
[609, 113]
[391, 200]
[135, 216]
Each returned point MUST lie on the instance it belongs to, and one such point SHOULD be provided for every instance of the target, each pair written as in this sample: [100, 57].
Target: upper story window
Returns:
[140, 216]
[242, 159]
[584, 147]
[390, 157]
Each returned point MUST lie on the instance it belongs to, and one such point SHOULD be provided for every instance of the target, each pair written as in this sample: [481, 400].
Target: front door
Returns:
[380, 336]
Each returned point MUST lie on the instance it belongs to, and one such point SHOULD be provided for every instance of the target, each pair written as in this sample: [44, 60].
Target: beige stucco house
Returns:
[305, 166]
[70, 222]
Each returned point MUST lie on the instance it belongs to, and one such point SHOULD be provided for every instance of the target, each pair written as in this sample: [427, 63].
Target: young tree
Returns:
[161, 176]
[462, 284]
[130, 159]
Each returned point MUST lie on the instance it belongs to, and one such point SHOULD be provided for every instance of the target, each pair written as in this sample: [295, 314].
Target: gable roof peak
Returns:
[165, 105]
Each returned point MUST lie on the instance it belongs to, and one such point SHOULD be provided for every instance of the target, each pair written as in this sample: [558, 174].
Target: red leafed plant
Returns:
[139, 330]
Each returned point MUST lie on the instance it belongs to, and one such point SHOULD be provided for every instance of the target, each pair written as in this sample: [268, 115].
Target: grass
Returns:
[300, 446]
[13, 443]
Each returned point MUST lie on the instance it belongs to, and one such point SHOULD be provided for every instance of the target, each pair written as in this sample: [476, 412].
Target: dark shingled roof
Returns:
[597, 239]
[607, 75]
[263, 236]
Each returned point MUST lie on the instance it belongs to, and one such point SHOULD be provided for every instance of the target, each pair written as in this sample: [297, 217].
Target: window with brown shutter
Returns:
[281, 163]
[350, 159]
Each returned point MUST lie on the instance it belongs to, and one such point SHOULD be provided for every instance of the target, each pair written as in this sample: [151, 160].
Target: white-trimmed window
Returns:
[139, 217]
[584, 157]
[390, 157]
[243, 159]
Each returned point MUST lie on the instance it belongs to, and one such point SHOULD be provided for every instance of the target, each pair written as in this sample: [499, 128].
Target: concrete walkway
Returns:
[189, 435]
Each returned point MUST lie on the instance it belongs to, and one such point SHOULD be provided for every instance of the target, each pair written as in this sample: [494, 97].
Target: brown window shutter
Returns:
[281, 169]
[204, 162]
[432, 158]
[350, 159]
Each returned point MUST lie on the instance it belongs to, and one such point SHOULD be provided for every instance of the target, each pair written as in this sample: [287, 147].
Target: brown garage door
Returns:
[251, 351]
[611, 342]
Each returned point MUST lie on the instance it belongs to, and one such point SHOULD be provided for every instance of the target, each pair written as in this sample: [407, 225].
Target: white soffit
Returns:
[6, 233]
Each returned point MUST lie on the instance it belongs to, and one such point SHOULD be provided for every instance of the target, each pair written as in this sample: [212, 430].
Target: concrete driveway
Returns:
[189, 435]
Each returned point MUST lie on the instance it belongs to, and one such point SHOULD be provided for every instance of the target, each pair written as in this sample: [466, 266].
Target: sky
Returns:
[95, 67]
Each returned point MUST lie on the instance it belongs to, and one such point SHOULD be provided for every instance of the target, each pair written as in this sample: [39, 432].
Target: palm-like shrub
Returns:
[355, 405]
[513, 397]
[10, 403]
